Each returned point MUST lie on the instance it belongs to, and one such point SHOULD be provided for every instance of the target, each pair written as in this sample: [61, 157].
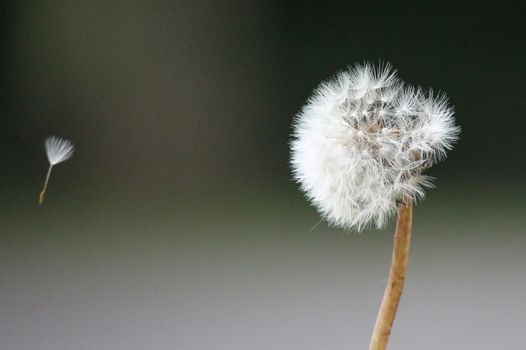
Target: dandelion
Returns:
[58, 150]
[359, 149]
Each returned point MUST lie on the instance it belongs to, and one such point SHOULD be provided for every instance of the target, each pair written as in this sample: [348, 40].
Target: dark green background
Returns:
[177, 225]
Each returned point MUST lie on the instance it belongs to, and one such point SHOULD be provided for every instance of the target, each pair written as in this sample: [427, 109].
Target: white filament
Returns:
[362, 140]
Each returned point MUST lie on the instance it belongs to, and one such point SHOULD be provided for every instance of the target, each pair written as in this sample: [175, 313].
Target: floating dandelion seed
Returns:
[58, 150]
[359, 148]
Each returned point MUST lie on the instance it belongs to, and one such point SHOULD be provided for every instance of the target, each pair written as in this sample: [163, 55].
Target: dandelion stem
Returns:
[395, 283]
[43, 193]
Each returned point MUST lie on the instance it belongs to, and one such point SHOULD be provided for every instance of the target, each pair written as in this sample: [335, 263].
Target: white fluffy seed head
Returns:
[58, 149]
[361, 142]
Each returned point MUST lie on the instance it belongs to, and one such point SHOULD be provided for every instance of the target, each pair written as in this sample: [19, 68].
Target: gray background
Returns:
[177, 226]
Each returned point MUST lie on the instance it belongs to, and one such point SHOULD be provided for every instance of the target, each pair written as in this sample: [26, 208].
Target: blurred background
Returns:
[176, 225]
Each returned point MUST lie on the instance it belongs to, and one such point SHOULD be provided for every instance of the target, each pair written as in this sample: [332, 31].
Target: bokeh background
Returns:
[177, 225]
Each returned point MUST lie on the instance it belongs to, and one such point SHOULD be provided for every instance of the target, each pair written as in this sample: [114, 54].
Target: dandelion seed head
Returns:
[361, 142]
[58, 149]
